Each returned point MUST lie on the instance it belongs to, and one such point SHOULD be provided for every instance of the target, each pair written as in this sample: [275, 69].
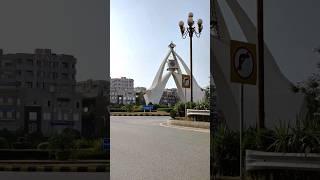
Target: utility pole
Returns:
[260, 34]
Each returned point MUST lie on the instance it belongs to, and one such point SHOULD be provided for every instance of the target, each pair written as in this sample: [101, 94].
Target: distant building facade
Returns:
[94, 103]
[37, 92]
[140, 90]
[122, 91]
[169, 97]
[92, 88]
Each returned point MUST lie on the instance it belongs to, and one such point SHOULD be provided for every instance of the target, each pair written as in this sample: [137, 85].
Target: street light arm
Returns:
[185, 34]
[198, 34]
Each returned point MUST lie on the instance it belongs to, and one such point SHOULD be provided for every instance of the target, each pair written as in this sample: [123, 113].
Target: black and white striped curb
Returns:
[56, 168]
[139, 115]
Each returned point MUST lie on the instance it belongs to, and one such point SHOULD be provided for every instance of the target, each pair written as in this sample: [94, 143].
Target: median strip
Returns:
[55, 168]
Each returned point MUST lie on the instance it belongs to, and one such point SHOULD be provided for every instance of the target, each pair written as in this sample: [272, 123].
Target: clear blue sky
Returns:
[141, 31]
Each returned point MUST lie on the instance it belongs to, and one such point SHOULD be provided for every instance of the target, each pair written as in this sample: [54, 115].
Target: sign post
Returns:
[243, 71]
[185, 84]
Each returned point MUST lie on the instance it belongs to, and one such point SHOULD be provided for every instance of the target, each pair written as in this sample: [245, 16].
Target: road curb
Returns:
[54, 168]
[165, 124]
[139, 115]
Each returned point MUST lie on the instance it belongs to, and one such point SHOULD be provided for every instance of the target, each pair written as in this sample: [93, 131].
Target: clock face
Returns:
[172, 63]
[243, 63]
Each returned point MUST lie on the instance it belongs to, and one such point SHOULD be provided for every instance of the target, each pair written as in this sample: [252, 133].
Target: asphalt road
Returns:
[53, 176]
[142, 149]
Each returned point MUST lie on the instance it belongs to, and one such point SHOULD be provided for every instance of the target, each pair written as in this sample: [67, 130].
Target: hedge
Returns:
[24, 154]
[89, 154]
[117, 110]
[164, 109]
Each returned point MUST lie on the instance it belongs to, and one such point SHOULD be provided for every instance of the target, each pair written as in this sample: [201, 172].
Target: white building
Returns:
[122, 91]
[37, 92]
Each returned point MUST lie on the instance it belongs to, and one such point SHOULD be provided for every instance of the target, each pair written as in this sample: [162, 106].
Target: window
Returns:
[47, 116]
[29, 73]
[49, 103]
[65, 75]
[8, 64]
[59, 115]
[10, 100]
[9, 115]
[1, 115]
[17, 115]
[76, 117]
[19, 60]
[1, 100]
[28, 84]
[30, 61]
[55, 75]
[33, 116]
[65, 64]
[77, 105]
[18, 101]
[65, 117]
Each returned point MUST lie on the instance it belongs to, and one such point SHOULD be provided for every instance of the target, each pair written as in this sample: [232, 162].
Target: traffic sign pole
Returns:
[261, 123]
[241, 130]
[185, 103]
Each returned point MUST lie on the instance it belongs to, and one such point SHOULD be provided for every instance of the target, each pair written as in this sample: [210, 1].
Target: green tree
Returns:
[140, 99]
[128, 107]
[3, 143]
[311, 90]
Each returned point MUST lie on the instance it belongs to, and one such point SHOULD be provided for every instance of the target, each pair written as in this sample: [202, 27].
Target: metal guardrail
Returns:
[198, 112]
[258, 160]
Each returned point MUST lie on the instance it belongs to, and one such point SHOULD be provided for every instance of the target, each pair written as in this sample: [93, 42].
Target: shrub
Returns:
[128, 108]
[257, 139]
[61, 142]
[72, 133]
[34, 138]
[3, 143]
[9, 136]
[24, 154]
[226, 151]
[165, 109]
[180, 109]
[89, 154]
[97, 144]
[43, 145]
[173, 113]
[156, 106]
[83, 144]
[191, 105]
[63, 154]
[202, 106]
[22, 145]
[117, 110]
[138, 108]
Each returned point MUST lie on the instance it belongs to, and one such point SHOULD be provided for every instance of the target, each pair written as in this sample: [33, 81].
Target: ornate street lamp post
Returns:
[189, 31]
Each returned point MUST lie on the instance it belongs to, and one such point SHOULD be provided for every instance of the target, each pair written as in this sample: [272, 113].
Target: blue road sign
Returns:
[106, 144]
[148, 107]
